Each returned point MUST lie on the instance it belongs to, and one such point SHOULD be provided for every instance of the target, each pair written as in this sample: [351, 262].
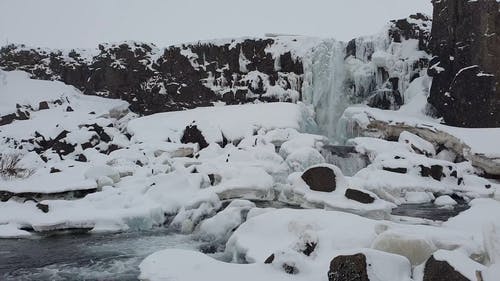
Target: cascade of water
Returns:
[324, 84]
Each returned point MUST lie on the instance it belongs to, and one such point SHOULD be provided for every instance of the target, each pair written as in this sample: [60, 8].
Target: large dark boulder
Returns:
[352, 268]
[358, 195]
[466, 68]
[193, 135]
[441, 271]
[320, 179]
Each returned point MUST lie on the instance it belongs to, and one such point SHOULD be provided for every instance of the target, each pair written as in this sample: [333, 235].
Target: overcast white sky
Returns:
[85, 23]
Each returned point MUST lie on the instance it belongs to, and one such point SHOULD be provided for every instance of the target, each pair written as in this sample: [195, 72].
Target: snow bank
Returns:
[234, 122]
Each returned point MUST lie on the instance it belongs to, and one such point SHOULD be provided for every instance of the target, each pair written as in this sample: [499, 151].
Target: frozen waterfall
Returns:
[324, 84]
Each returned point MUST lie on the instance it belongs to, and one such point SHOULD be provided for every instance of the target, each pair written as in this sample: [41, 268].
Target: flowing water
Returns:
[85, 256]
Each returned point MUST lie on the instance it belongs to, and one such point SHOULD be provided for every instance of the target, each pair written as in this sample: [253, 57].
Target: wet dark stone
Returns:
[435, 171]
[193, 135]
[320, 179]
[352, 268]
[269, 259]
[290, 269]
[360, 196]
[441, 271]
[309, 249]
[81, 158]
[43, 105]
[54, 170]
[214, 179]
[7, 119]
[43, 207]
[396, 170]
[112, 147]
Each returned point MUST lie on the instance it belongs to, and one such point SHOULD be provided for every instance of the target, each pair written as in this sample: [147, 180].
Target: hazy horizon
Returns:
[77, 24]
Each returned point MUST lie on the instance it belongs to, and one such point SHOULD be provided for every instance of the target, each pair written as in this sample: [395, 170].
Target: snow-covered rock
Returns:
[445, 200]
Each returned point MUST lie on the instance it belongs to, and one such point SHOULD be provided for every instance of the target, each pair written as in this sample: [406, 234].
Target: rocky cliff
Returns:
[178, 77]
[466, 70]
[231, 71]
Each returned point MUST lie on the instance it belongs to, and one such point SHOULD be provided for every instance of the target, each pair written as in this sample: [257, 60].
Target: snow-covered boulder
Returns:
[415, 247]
[220, 226]
[103, 175]
[418, 144]
[445, 200]
[324, 178]
[369, 265]
[449, 265]
[303, 158]
[301, 141]
[323, 186]
[290, 230]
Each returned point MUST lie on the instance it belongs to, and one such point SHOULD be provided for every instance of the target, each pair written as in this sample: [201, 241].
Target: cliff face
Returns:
[375, 69]
[466, 70]
[178, 77]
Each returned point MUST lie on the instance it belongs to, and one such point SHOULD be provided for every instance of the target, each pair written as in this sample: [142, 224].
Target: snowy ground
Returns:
[87, 163]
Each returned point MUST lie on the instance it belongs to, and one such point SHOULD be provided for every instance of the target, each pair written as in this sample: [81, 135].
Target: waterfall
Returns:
[372, 70]
[323, 86]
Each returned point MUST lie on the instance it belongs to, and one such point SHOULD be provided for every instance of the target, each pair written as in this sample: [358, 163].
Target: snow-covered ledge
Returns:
[474, 145]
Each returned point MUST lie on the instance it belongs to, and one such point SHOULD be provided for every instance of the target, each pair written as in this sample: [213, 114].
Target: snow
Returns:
[234, 122]
[478, 140]
[278, 230]
[12, 231]
[16, 88]
[154, 180]
[472, 221]
[42, 182]
[445, 200]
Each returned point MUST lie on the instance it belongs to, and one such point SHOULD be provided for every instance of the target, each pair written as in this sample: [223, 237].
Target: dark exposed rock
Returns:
[352, 268]
[466, 69]
[54, 170]
[290, 269]
[193, 135]
[435, 171]
[81, 158]
[320, 179]
[58, 144]
[7, 119]
[441, 271]
[43, 105]
[309, 248]
[358, 195]
[269, 259]
[215, 179]
[154, 80]
[386, 99]
[396, 170]
[407, 29]
[36, 196]
[43, 207]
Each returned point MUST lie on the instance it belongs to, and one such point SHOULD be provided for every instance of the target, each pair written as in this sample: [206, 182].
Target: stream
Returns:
[117, 256]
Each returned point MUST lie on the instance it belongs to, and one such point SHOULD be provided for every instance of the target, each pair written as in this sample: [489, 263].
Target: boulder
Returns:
[323, 178]
[43, 105]
[435, 171]
[43, 207]
[351, 267]
[303, 158]
[418, 144]
[358, 195]
[436, 270]
[193, 135]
